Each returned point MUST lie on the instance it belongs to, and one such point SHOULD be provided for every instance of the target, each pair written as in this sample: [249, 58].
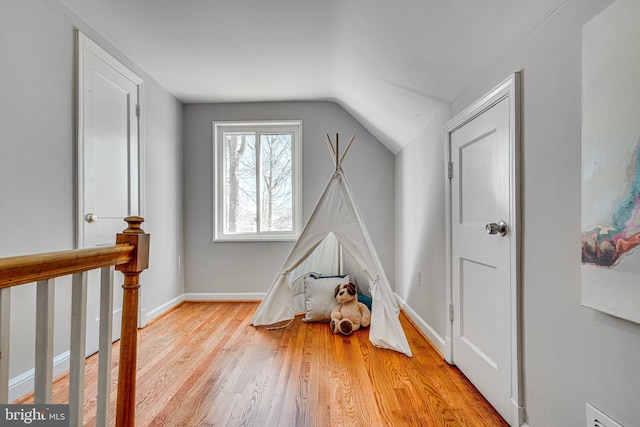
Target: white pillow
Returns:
[319, 300]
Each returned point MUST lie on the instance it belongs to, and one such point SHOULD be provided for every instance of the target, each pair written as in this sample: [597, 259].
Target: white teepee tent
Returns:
[336, 212]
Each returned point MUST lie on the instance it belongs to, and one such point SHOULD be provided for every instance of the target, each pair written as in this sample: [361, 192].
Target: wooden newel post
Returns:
[126, 399]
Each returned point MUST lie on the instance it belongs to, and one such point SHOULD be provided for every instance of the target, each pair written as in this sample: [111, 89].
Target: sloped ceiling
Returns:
[393, 65]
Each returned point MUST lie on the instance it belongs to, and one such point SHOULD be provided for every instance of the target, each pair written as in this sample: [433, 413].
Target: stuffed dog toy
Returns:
[349, 315]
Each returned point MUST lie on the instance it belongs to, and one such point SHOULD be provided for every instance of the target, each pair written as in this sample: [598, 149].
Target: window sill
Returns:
[253, 238]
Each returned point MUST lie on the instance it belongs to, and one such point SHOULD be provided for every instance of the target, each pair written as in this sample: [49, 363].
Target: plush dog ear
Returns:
[336, 290]
[351, 288]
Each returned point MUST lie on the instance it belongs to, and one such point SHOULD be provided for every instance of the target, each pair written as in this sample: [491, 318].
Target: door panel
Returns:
[473, 160]
[481, 284]
[478, 327]
[106, 147]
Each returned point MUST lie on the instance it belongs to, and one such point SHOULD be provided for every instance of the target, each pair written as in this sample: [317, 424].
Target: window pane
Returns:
[276, 182]
[240, 186]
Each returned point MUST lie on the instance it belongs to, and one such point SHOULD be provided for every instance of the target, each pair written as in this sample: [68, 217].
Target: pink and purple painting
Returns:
[610, 238]
[605, 246]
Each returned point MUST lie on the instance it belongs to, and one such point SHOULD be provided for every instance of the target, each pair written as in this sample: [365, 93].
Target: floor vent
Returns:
[595, 418]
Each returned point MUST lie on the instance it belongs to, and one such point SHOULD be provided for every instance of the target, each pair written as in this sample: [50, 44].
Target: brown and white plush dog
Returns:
[349, 315]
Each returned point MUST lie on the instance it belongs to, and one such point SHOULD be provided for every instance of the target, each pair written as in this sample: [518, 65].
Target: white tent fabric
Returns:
[325, 260]
[337, 213]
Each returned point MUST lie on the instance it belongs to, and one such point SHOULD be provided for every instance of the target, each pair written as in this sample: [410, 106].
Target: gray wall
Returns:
[241, 267]
[572, 355]
[37, 190]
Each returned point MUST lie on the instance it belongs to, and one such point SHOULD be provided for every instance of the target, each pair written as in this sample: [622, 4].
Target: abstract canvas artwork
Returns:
[610, 238]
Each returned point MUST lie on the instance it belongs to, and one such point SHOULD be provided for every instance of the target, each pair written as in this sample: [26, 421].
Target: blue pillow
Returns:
[366, 300]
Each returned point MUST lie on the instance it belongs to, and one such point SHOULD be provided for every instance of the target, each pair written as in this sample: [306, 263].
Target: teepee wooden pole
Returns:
[332, 150]
[347, 149]
[337, 151]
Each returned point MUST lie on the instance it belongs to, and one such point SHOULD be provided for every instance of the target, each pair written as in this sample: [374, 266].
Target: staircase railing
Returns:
[130, 255]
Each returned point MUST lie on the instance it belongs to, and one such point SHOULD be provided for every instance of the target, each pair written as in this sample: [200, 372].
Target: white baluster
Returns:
[77, 357]
[43, 379]
[104, 350]
[5, 316]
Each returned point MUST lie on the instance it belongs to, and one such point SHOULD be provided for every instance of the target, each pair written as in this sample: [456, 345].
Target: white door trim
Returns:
[508, 89]
[85, 43]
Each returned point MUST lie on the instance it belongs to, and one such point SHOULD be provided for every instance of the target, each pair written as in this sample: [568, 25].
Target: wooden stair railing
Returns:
[130, 255]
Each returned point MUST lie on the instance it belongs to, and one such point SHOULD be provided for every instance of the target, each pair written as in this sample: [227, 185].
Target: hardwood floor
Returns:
[203, 365]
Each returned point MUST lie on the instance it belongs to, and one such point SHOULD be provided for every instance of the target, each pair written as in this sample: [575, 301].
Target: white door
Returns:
[483, 255]
[108, 164]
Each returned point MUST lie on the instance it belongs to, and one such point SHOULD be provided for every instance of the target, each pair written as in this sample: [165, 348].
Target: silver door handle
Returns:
[91, 217]
[499, 228]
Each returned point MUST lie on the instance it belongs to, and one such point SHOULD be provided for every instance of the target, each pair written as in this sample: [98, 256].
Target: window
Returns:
[257, 180]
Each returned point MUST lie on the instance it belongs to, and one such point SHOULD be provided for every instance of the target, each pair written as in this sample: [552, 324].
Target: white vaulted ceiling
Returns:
[393, 65]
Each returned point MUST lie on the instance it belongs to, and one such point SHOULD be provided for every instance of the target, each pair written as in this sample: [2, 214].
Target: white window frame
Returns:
[219, 128]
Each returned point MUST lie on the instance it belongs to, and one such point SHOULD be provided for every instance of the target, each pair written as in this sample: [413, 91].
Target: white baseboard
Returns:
[247, 296]
[436, 339]
[159, 311]
[24, 383]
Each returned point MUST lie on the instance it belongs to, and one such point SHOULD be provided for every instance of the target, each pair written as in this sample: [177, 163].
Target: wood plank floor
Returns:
[203, 365]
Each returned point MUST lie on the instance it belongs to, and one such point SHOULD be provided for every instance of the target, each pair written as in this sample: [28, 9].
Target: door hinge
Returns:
[451, 312]
[137, 111]
[450, 170]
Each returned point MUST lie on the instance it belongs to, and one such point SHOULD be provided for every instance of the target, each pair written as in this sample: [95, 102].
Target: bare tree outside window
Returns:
[241, 182]
[277, 185]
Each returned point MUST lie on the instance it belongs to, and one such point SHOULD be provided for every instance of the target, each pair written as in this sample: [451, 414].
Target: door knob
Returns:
[499, 228]
[91, 217]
